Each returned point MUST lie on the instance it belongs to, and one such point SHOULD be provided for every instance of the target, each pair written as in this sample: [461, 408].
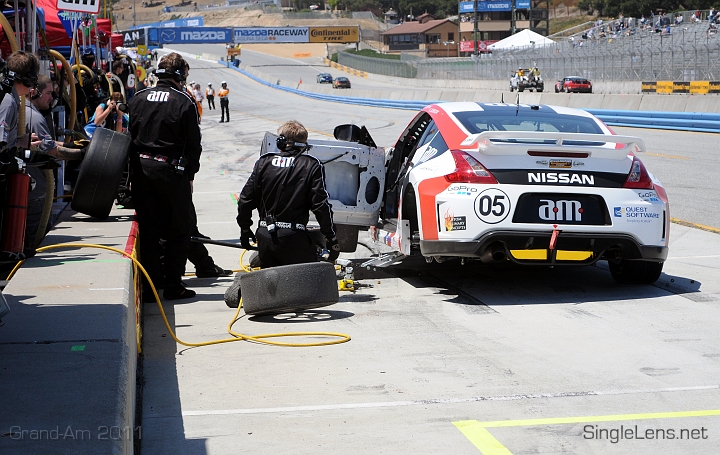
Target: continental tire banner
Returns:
[334, 34]
[270, 35]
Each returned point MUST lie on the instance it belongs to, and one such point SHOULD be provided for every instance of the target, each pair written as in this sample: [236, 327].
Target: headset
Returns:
[284, 145]
[176, 75]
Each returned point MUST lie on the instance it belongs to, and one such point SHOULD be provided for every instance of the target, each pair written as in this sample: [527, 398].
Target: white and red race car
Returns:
[532, 184]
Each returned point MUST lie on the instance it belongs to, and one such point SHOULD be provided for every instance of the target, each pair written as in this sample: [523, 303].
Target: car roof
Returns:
[342, 78]
[443, 114]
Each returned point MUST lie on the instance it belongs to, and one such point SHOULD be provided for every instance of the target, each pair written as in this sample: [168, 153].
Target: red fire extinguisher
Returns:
[13, 229]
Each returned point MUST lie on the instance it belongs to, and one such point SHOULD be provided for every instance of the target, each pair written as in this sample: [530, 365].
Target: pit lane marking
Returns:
[695, 225]
[391, 404]
[676, 157]
[480, 437]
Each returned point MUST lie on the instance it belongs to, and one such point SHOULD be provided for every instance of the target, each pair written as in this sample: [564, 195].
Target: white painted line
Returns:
[390, 404]
[219, 222]
[695, 257]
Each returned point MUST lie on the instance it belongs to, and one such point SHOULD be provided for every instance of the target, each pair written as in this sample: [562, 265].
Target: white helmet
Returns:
[209, 84]
[223, 83]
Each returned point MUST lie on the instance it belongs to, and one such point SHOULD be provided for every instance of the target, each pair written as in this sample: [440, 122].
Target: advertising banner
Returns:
[67, 18]
[488, 7]
[271, 35]
[334, 34]
[132, 38]
[81, 6]
[189, 35]
[467, 46]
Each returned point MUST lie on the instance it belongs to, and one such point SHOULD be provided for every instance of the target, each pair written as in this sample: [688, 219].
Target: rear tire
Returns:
[635, 272]
[567, 89]
[100, 173]
[289, 288]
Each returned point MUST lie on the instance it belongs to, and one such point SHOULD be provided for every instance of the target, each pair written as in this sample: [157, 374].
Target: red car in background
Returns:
[573, 84]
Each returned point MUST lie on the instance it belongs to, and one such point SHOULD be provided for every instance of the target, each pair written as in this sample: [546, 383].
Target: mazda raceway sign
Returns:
[269, 35]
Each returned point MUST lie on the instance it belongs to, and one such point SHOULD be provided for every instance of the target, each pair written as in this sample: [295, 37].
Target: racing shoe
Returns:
[177, 293]
[212, 272]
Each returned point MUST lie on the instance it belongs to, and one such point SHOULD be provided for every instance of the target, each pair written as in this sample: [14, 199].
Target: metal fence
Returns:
[690, 52]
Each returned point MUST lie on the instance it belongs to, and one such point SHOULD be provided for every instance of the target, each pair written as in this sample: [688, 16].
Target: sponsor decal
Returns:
[429, 152]
[492, 206]
[167, 36]
[454, 223]
[560, 178]
[158, 96]
[561, 164]
[462, 190]
[635, 214]
[564, 210]
[648, 196]
[283, 161]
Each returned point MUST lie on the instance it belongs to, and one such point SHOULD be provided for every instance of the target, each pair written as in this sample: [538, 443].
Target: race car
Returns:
[531, 184]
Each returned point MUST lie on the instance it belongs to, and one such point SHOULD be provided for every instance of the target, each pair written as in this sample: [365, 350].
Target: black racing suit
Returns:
[164, 128]
[300, 181]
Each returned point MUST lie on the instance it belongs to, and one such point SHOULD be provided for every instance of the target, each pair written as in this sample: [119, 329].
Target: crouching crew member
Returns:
[164, 156]
[284, 187]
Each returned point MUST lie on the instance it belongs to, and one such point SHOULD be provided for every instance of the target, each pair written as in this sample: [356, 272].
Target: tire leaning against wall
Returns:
[100, 173]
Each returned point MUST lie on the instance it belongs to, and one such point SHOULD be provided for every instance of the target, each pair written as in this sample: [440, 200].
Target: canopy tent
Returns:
[57, 35]
[524, 38]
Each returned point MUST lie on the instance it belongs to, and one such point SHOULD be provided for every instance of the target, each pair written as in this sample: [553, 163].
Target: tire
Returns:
[347, 235]
[567, 89]
[520, 89]
[635, 272]
[232, 294]
[511, 89]
[539, 90]
[100, 173]
[556, 90]
[279, 289]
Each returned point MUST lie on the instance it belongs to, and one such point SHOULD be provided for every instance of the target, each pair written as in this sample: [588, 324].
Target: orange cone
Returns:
[301, 80]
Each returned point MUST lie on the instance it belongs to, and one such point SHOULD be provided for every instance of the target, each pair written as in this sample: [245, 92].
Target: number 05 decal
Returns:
[492, 206]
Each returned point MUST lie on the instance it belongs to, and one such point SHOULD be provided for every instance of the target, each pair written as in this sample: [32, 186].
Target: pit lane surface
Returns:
[436, 347]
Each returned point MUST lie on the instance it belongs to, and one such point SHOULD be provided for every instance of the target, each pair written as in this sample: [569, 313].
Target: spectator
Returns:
[106, 116]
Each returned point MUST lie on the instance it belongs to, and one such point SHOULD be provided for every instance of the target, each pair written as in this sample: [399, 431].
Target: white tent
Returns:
[525, 38]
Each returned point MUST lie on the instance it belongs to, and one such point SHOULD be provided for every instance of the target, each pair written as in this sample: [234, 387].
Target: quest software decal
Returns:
[635, 214]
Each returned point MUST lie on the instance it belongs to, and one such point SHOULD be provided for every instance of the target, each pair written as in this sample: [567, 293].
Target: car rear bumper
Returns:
[623, 245]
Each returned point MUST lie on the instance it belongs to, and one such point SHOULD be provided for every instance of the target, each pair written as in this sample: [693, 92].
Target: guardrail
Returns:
[683, 121]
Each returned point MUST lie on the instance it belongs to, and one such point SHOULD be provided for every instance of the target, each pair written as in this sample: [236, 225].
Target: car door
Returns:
[398, 160]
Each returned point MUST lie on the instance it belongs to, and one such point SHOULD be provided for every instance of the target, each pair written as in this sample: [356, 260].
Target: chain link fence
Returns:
[691, 51]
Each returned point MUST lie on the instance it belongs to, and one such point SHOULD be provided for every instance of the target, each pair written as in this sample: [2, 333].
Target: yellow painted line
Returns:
[481, 438]
[676, 157]
[607, 418]
[695, 225]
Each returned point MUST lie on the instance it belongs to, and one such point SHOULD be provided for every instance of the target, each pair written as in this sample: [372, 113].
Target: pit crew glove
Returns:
[247, 236]
[333, 247]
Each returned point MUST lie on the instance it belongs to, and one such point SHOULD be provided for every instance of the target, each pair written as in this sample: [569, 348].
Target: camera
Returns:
[122, 107]
[270, 223]
[180, 166]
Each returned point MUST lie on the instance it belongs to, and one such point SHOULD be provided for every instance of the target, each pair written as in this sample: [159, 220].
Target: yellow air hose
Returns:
[238, 336]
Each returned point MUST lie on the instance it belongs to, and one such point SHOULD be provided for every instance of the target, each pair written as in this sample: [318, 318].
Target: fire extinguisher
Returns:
[16, 204]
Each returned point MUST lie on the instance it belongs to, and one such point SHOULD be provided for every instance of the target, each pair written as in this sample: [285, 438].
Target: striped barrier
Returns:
[347, 69]
[693, 87]
[682, 121]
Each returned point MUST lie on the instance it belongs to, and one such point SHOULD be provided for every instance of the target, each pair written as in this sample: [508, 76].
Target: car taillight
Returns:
[638, 176]
[468, 170]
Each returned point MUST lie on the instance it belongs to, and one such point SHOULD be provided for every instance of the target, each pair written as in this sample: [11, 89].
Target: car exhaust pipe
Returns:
[493, 253]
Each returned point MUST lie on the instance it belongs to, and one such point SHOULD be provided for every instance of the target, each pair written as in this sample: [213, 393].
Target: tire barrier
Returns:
[683, 121]
[100, 173]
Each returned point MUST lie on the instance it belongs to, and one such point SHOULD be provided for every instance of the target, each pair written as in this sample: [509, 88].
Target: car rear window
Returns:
[580, 81]
[541, 120]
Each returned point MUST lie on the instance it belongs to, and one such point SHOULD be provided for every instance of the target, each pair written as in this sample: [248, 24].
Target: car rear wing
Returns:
[521, 142]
